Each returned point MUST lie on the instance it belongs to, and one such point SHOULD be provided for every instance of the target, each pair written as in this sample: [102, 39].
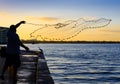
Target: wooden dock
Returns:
[33, 70]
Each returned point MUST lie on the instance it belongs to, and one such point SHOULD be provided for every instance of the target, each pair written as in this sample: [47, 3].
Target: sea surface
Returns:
[82, 63]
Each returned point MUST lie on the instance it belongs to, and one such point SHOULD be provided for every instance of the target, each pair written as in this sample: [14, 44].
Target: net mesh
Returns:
[67, 29]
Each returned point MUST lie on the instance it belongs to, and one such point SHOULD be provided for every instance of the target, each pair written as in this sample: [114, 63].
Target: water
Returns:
[82, 63]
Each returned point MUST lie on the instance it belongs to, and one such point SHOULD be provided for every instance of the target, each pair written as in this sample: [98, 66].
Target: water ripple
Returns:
[83, 63]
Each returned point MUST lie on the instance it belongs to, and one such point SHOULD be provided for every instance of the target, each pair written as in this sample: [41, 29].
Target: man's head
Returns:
[12, 28]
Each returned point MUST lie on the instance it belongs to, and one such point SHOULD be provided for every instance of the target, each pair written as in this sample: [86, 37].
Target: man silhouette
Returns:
[13, 51]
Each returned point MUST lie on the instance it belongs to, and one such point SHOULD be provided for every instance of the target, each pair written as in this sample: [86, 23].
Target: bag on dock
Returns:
[3, 52]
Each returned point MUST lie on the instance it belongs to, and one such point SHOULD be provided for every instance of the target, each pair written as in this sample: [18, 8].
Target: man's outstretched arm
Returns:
[18, 24]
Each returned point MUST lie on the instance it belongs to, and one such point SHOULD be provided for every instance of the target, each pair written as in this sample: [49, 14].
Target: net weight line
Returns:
[66, 30]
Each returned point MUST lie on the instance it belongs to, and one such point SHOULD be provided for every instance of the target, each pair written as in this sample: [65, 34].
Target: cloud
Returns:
[6, 14]
[7, 18]
[43, 19]
[89, 18]
[112, 31]
[53, 19]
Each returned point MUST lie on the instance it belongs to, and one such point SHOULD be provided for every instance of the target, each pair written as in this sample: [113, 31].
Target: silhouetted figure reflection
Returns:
[13, 51]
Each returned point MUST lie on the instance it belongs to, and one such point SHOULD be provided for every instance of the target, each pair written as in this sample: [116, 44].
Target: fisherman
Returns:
[13, 51]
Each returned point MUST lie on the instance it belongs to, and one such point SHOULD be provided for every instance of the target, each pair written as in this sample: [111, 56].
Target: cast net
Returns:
[66, 30]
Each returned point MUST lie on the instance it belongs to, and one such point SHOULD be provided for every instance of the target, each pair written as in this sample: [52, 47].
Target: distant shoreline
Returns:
[34, 42]
[83, 42]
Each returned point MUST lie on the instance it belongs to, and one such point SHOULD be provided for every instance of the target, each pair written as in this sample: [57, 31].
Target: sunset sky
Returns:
[53, 11]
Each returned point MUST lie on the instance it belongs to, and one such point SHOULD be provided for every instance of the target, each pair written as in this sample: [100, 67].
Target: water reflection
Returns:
[83, 63]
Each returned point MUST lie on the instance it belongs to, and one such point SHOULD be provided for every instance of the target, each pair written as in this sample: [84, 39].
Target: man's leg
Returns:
[15, 75]
[11, 71]
[16, 65]
[5, 67]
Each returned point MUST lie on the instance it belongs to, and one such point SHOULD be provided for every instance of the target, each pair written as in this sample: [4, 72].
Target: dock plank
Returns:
[33, 69]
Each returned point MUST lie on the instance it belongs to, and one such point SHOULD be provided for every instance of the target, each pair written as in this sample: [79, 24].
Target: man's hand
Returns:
[26, 48]
[22, 22]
